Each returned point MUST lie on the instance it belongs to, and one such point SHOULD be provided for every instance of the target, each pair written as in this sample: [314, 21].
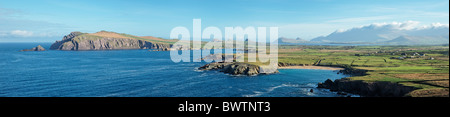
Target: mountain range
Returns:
[394, 33]
[284, 40]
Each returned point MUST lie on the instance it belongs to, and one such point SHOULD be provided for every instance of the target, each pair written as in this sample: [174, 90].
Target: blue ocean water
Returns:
[139, 73]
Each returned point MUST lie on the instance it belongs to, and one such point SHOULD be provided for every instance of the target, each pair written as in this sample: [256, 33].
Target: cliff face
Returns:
[83, 41]
[367, 89]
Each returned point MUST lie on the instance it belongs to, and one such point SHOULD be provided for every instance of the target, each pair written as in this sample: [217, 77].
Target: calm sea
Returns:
[138, 73]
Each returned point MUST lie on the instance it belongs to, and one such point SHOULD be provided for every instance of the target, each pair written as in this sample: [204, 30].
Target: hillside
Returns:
[105, 40]
[418, 40]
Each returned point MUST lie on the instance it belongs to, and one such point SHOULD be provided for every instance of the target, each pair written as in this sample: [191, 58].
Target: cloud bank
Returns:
[381, 32]
[21, 33]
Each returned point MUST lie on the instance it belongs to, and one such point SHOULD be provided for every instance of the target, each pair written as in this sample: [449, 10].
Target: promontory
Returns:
[105, 40]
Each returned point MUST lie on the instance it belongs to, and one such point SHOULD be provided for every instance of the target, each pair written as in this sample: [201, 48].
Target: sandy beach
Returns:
[311, 67]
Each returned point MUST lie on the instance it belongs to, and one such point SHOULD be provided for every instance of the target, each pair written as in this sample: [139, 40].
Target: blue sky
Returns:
[49, 20]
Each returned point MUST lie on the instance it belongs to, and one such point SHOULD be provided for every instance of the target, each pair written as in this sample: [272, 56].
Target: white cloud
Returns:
[21, 33]
[3, 34]
[308, 31]
[360, 19]
[408, 25]
[435, 25]
[29, 34]
[377, 32]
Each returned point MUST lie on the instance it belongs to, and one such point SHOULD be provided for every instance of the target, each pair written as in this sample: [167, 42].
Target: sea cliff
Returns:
[105, 41]
[365, 88]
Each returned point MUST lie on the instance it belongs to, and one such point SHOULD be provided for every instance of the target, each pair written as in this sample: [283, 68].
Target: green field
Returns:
[428, 70]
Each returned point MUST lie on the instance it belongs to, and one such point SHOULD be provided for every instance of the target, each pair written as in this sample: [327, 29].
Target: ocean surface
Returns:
[139, 73]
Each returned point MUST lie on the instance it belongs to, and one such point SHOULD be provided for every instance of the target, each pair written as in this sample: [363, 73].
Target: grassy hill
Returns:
[128, 36]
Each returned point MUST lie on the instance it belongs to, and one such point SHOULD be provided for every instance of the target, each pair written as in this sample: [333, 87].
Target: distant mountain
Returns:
[283, 40]
[418, 40]
[393, 33]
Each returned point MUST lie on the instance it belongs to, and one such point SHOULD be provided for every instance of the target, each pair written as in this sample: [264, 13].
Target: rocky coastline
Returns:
[367, 89]
[364, 88]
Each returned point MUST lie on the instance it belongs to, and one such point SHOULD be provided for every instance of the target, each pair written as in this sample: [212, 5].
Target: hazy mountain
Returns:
[282, 40]
[414, 40]
[391, 33]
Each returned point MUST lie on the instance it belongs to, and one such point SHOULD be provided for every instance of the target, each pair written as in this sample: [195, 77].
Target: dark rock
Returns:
[327, 84]
[321, 85]
[312, 91]
[352, 71]
[38, 48]
[368, 89]
[341, 93]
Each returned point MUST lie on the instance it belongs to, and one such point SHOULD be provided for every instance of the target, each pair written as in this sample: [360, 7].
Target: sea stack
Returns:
[38, 48]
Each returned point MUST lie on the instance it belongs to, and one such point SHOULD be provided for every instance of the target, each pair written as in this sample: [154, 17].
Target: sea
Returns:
[139, 73]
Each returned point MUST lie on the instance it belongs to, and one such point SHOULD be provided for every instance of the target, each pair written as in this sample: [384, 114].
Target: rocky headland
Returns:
[365, 88]
[362, 88]
[104, 40]
[236, 68]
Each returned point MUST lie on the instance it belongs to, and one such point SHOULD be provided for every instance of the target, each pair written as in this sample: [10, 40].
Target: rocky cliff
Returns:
[363, 88]
[234, 68]
[105, 41]
[367, 89]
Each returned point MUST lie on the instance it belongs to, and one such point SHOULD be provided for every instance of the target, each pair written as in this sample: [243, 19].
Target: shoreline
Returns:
[312, 67]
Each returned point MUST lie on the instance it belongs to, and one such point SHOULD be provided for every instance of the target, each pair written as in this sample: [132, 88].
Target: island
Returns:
[105, 40]
[38, 48]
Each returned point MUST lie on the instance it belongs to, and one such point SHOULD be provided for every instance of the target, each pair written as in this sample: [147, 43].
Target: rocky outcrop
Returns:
[221, 57]
[281, 64]
[353, 71]
[81, 41]
[38, 48]
[235, 68]
[367, 89]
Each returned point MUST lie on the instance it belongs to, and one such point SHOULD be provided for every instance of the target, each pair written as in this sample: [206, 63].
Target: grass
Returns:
[429, 76]
[102, 34]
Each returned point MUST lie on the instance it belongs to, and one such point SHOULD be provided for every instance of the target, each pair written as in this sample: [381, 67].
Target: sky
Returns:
[50, 20]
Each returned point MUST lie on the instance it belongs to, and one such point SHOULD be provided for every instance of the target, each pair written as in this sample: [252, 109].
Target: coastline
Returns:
[312, 67]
